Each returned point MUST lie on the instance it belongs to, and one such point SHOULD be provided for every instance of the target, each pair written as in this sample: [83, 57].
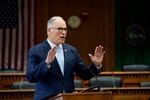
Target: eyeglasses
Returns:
[60, 29]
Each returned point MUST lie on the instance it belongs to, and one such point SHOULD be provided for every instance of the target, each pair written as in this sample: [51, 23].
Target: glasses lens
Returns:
[62, 29]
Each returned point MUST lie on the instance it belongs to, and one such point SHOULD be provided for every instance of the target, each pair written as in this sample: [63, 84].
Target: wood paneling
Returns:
[16, 94]
[84, 96]
[129, 79]
[125, 93]
[6, 79]
[97, 25]
[132, 93]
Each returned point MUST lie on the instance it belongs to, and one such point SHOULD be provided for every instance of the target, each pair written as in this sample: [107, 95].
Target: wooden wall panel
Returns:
[97, 25]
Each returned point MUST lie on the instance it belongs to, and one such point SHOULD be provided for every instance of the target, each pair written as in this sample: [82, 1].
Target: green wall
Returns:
[129, 13]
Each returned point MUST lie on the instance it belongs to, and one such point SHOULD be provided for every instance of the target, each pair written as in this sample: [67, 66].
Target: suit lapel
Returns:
[66, 59]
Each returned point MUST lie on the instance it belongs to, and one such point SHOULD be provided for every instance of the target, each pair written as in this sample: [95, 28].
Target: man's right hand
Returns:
[51, 55]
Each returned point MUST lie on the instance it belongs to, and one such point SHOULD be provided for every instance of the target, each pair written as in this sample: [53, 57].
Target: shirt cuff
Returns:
[48, 65]
[99, 67]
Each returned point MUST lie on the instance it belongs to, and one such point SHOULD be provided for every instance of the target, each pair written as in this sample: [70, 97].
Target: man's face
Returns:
[57, 33]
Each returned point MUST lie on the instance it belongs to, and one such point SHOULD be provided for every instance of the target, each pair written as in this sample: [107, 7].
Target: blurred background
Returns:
[120, 26]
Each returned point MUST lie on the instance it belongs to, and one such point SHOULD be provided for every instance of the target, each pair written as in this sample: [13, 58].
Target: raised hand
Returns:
[98, 55]
[51, 55]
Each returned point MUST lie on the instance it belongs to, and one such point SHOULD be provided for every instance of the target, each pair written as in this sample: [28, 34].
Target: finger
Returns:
[103, 53]
[51, 53]
[91, 56]
[96, 49]
[52, 50]
[100, 48]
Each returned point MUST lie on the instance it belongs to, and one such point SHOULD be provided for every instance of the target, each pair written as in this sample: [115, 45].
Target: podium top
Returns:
[83, 96]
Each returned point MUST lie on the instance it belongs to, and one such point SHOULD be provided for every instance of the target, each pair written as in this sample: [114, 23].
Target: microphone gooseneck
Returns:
[97, 83]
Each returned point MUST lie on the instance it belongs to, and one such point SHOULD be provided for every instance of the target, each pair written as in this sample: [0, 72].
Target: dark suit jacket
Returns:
[50, 81]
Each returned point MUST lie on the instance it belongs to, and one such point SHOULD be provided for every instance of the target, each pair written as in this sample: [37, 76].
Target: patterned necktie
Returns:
[60, 58]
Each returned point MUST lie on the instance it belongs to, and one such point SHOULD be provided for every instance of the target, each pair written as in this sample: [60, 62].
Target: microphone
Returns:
[113, 81]
[114, 85]
[90, 88]
[97, 82]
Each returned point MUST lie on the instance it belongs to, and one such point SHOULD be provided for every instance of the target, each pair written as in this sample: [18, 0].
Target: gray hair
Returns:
[50, 21]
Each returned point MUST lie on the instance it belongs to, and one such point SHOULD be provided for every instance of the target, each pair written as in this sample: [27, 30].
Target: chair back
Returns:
[23, 85]
[77, 83]
[106, 81]
[145, 84]
[136, 67]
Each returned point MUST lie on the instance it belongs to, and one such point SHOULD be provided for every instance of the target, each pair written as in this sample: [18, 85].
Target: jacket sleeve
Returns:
[36, 70]
[83, 71]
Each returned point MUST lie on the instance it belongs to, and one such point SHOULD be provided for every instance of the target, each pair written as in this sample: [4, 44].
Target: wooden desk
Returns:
[125, 93]
[129, 79]
[25, 94]
[84, 96]
[130, 93]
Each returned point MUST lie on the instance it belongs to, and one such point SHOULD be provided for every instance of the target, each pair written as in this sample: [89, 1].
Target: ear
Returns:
[48, 29]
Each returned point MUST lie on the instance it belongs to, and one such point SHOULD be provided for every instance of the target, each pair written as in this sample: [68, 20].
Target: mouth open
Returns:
[62, 37]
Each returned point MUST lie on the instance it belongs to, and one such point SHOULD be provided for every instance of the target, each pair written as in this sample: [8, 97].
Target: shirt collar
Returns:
[53, 45]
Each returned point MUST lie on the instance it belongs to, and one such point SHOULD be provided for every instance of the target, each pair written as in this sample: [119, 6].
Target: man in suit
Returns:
[52, 63]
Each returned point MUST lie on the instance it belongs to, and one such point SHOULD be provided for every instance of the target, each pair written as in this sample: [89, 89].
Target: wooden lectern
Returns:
[84, 96]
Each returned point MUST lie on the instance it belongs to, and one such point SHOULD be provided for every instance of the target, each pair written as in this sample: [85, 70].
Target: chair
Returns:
[136, 67]
[145, 84]
[9, 71]
[28, 85]
[23, 85]
[77, 83]
[106, 81]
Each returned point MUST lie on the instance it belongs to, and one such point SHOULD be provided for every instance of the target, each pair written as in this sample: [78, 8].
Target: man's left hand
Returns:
[98, 55]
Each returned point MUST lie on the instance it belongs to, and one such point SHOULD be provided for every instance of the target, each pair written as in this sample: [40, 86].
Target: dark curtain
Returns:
[130, 13]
